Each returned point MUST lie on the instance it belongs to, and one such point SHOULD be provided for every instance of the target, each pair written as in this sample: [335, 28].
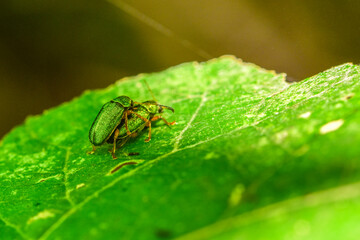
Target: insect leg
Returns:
[114, 147]
[123, 142]
[91, 152]
[147, 123]
[126, 123]
[160, 117]
[141, 117]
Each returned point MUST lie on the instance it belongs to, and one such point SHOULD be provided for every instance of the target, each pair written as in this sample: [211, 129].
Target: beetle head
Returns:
[154, 108]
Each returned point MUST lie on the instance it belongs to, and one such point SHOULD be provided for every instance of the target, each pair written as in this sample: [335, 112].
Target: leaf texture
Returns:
[251, 157]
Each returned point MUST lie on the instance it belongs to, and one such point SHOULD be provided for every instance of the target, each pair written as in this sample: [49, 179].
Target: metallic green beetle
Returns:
[140, 116]
[122, 118]
[108, 119]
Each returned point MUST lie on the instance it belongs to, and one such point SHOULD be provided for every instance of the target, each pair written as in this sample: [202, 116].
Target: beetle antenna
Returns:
[152, 94]
[167, 107]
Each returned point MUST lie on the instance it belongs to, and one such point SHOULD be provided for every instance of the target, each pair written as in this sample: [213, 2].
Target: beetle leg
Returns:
[160, 117]
[123, 142]
[114, 147]
[91, 152]
[141, 117]
[148, 124]
[126, 123]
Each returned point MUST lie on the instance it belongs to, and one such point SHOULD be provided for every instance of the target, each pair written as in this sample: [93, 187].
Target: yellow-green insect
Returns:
[122, 118]
[139, 117]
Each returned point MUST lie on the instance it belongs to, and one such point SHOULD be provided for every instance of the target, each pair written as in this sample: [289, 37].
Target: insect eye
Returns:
[160, 109]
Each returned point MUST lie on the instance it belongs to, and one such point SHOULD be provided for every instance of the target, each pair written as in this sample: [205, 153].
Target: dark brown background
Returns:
[51, 51]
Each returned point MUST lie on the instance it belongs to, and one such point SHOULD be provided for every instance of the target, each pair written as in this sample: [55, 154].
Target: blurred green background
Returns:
[51, 51]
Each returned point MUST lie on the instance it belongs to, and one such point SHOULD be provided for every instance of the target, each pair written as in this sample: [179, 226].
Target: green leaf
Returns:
[251, 157]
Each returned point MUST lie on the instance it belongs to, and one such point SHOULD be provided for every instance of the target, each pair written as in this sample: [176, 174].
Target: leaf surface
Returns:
[250, 157]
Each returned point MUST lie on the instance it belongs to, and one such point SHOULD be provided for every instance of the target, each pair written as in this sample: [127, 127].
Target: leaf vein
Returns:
[179, 137]
[16, 228]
